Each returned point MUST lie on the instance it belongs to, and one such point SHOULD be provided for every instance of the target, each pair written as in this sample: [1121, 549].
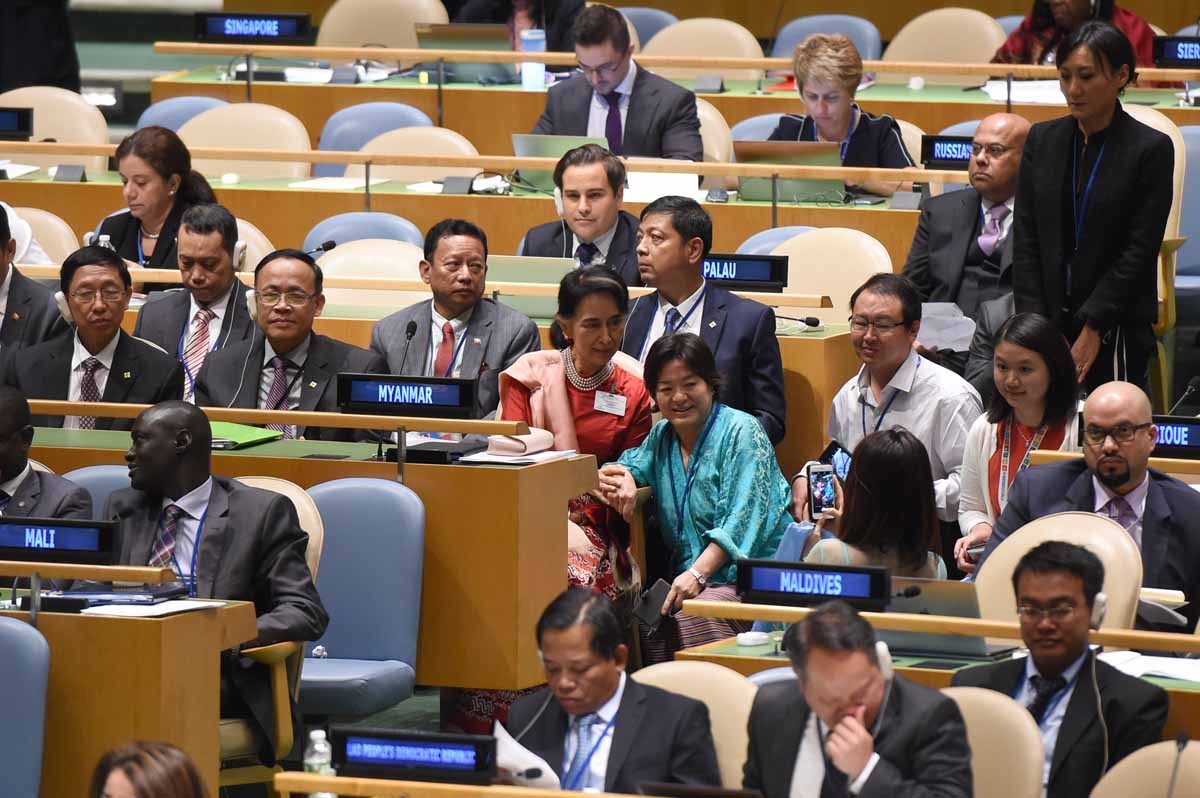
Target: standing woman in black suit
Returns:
[1093, 197]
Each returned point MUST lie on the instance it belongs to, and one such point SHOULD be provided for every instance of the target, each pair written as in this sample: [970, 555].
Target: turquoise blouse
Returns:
[739, 498]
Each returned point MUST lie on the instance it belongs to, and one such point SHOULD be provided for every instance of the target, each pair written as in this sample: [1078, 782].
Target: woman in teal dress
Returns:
[717, 485]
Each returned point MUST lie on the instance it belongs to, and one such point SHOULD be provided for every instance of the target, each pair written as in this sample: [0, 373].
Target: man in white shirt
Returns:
[599, 730]
[639, 113]
[210, 312]
[99, 362]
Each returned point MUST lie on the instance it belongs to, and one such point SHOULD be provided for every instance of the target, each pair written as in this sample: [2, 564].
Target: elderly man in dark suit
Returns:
[289, 367]
[675, 235]
[99, 363]
[1161, 513]
[210, 312]
[458, 333]
[962, 249]
[591, 227]
[638, 112]
[225, 541]
[849, 726]
[1065, 687]
[27, 312]
[26, 492]
[598, 729]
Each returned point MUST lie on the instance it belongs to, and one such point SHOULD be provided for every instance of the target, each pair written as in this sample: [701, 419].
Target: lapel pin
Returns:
[712, 324]
[312, 384]
[127, 375]
[16, 316]
[476, 341]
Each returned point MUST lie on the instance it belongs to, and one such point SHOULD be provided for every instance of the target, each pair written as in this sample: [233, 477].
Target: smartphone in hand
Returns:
[649, 610]
[822, 490]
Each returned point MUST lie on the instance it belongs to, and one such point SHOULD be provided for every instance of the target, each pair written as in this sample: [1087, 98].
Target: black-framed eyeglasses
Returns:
[881, 327]
[1121, 433]
[1058, 613]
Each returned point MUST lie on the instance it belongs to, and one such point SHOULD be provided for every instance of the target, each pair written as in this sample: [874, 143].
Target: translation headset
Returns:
[562, 219]
[1099, 610]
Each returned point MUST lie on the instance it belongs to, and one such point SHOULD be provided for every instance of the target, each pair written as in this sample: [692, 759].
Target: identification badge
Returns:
[610, 403]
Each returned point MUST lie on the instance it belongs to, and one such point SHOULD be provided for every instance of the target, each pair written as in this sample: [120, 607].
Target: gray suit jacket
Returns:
[496, 336]
[164, 318]
[661, 120]
[45, 495]
[922, 744]
[31, 316]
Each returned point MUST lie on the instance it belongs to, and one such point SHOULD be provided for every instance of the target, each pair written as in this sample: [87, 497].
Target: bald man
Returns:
[961, 250]
[224, 539]
[1159, 512]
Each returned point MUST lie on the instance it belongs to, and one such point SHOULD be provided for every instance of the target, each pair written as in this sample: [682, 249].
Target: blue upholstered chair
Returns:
[764, 241]
[772, 675]
[350, 128]
[961, 128]
[647, 21]
[755, 128]
[174, 111]
[861, 31]
[100, 480]
[357, 225]
[1010, 23]
[23, 696]
[1187, 260]
[370, 582]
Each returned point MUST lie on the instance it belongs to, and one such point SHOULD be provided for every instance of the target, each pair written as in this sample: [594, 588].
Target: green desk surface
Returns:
[111, 439]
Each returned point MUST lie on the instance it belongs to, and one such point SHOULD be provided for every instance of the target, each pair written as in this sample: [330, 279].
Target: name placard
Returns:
[16, 124]
[804, 584]
[1177, 52]
[389, 394]
[261, 28]
[946, 152]
[1178, 436]
[747, 272]
[419, 756]
[57, 540]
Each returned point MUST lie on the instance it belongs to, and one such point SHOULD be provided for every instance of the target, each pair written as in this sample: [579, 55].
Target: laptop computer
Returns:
[464, 36]
[532, 145]
[939, 597]
[523, 269]
[790, 153]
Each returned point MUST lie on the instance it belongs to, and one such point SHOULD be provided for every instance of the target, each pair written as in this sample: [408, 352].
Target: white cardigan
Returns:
[975, 499]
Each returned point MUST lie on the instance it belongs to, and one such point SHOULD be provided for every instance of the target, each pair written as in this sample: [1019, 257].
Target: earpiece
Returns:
[239, 256]
[1099, 608]
[558, 202]
[60, 299]
[252, 304]
[883, 656]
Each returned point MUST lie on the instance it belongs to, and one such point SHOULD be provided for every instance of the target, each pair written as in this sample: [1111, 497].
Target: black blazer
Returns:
[140, 374]
[1134, 712]
[556, 17]
[31, 316]
[657, 736]
[661, 120]
[1170, 543]
[36, 45]
[550, 240]
[122, 228]
[230, 378]
[876, 142]
[991, 317]
[922, 743]
[741, 334]
[941, 242]
[1114, 276]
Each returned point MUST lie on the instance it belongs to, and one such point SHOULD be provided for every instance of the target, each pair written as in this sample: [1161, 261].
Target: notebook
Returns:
[227, 435]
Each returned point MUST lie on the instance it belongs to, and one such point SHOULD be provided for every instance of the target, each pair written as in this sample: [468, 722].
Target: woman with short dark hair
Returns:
[147, 770]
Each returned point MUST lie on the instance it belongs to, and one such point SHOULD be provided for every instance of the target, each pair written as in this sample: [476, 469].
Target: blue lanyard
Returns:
[886, 407]
[453, 358]
[692, 467]
[581, 774]
[678, 327]
[195, 548]
[141, 257]
[1079, 207]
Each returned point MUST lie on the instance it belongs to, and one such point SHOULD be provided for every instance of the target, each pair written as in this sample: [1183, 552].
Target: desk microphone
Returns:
[813, 321]
[1181, 741]
[912, 591]
[411, 330]
[324, 247]
[1192, 386]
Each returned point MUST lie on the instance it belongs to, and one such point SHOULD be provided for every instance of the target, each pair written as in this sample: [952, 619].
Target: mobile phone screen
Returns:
[836, 456]
[822, 491]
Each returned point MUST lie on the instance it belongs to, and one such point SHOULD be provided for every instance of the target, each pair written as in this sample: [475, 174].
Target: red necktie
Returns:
[445, 352]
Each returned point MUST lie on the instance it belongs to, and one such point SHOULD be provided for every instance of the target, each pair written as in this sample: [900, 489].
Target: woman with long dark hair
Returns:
[1037, 39]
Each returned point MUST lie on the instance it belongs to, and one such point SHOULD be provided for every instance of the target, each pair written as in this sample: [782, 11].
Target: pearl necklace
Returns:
[585, 383]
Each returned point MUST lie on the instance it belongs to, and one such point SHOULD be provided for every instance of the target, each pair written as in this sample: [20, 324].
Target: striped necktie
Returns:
[163, 553]
[196, 350]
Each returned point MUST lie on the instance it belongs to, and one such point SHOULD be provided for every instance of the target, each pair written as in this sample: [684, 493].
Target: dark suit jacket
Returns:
[922, 743]
[1134, 712]
[122, 228]
[1170, 543]
[657, 736]
[31, 316]
[45, 495]
[940, 244]
[140, 374]
[1115, 271]
[251, 549]
[661, 120]
[555, 240]
[992, 315]
[230, 378]
[741, 334]
[36, 45]
[557, 18]
[164, 319]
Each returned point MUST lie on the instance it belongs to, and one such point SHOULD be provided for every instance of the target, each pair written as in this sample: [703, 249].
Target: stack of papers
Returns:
[152, 610]
[1135, 664]
[524, 459]
[337, 183]
[15, 170]
[1033, 92]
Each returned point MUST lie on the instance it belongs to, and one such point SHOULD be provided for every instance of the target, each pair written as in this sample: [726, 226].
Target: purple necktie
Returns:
[88, 391]
[277, 395]
[990, 237]
[1118, 509]
[163, 553]
[612, 124]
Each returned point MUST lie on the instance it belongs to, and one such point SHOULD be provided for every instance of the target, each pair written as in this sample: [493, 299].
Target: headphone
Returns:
[883, 656]
[239, 256]
[1099, 609]
[562, 218]
[64, 309]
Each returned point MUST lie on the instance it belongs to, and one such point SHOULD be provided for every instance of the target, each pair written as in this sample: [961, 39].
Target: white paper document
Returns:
[1135, 664]
[649, 186]
[1035, 92]
[524, 459]
[15, 170]
[152, 610]
[513, 758]
[337, 183]
[943, 326]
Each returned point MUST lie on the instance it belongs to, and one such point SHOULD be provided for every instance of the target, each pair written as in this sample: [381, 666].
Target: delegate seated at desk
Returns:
[210, 312]
[224, 540]
[591, 182]
[99, 362]
[27, 312]
[24, 491]
[640, 113]
[555, 17]
[291, 367]
[457, 333]
[1066, 688]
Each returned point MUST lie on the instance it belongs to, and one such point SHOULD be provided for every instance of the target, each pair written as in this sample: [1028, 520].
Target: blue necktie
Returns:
[672, 322]
[576, 778]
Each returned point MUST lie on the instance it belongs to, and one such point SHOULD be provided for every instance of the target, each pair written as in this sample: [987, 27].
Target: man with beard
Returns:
[1161, 514]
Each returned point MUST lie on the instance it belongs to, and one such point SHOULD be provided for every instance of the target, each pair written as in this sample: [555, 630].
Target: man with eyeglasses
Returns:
[1065, 688]
[98, 362]
[1161, 513]
[638, 112]
[961, 250]
[289, 367]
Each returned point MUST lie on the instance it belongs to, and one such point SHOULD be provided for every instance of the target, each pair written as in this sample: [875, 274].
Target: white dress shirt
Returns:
[459, 326]
[598, 110]
[934, 404]
[809, 770]
[691, 310]
[1136, 499]
[1052, 720]
[602, 243]
[4, 286]
[9, 488]
[187, 527]
[598, 765]
[105, 356]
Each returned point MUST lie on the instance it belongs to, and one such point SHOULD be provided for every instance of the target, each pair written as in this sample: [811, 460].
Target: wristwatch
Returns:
[700, 578]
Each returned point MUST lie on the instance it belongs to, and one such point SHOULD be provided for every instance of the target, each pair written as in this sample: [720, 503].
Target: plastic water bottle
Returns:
[105, 241]
[318, 758]
[533, 74]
